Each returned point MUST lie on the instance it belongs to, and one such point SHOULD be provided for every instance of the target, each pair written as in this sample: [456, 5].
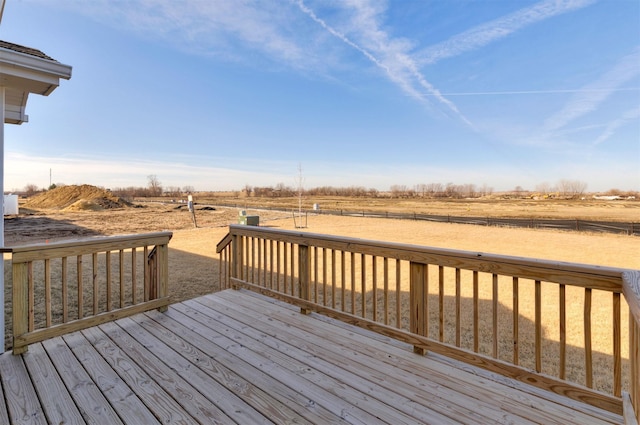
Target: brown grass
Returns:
[193, 265]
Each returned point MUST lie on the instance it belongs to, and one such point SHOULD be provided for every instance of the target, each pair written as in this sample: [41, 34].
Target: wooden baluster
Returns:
[271, 260]
[32, 293]
[304, 273]
[278, 270]
[324, 276]
[617, 347]
[587, 339]
[494, 301]
[65, 294]
[441, 303]
[363, 285]
[343, 272]
[374, 288]
[333, 278]
[458, 297]
[292, 268]
[353, 283]
[47, 291]
[516, 320]
[538, 325]
[94, 280]
[145, 277]
[476, 321]
[80, 291]
[265, 259]
[398, 294]
[385, 265]
[285, 266]
[121, 270]
[260, 244]
[563, 333]
[133, 276]
[316, 288]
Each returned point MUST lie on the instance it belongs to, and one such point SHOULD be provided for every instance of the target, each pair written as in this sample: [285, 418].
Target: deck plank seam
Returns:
[381, 383]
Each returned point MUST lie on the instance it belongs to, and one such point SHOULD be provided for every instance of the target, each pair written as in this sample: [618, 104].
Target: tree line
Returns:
[565, 189]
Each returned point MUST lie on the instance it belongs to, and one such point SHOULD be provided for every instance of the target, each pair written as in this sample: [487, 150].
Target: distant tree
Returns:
[154, 186]
[188, 189]
[398, 190]
[30, 189]
[485, 190]
[545, 188]
[173, 191]
[571, 188]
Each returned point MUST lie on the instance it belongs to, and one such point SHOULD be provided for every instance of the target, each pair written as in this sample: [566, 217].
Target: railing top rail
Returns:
[224, 242]
[599, 277]
[64, 248]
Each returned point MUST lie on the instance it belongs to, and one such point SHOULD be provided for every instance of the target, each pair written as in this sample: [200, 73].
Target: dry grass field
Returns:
[194, 270]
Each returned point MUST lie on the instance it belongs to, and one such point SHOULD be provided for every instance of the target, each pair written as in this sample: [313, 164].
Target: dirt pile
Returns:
[76, 198]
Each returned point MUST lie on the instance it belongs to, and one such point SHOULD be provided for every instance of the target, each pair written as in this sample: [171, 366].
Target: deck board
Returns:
[238, 357]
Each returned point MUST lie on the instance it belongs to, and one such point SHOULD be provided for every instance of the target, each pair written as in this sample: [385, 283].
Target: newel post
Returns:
[20, 305]
[631, 291]
[304, 274]
[236, 258]
[418, 299]
[163, 273]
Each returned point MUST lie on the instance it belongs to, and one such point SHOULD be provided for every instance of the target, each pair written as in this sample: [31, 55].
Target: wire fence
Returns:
[627, 228]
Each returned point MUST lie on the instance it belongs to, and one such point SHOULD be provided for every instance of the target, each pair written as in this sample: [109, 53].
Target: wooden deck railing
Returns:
[62, 287]
[631, 291]
[527, 319]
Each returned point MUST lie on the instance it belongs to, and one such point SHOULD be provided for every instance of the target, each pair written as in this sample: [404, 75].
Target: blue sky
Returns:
[219, 94]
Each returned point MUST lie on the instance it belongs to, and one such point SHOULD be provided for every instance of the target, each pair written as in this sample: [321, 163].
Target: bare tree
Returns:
[571, 188]
[173, 191]
[398, 190]
[30, 189]
[154, 185]
[544, 188]
[188, 189]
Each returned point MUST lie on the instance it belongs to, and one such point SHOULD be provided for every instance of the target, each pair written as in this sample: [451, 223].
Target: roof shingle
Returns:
[26, 50]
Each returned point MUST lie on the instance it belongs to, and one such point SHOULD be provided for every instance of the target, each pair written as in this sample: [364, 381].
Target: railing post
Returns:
[304, 275]
[20, 305]
[236, 258]
[631, 291]
[418, 296]
[163, 273]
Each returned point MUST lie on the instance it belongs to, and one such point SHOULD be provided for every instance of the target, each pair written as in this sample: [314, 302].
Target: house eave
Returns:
[22, 74]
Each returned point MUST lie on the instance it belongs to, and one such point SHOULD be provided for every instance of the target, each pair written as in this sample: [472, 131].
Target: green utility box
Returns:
[249, 220]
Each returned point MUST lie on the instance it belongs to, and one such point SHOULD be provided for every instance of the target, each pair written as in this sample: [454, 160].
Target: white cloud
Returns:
[391, 55]
[492, 31]
[629, 116]
[591, 96]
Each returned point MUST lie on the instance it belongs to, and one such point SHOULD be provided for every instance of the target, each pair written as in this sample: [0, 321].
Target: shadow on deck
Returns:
[239, 357]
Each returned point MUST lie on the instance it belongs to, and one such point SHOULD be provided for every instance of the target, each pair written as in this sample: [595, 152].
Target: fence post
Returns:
[418, 299]
[20, 305]
[304, 275]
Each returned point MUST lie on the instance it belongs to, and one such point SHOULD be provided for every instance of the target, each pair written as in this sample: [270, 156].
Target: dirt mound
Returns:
[76, 198]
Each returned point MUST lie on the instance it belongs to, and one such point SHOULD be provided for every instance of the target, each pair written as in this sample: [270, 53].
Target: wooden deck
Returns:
[238, 357]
